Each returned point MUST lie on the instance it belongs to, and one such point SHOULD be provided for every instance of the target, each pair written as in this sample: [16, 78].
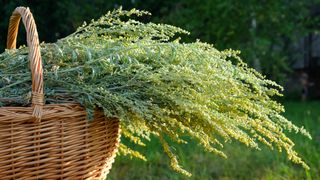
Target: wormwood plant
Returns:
[156, 85]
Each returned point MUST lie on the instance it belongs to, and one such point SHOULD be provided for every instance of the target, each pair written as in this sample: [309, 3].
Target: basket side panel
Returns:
[103, 143]
[64, 145]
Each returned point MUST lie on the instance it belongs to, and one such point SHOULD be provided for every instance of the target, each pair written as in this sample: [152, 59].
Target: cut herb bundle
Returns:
[155, 85]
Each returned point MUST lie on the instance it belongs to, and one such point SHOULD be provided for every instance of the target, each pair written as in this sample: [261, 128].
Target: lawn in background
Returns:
[242, 163]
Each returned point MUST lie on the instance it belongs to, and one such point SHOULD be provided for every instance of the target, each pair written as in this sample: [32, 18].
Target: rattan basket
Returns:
[53, 141]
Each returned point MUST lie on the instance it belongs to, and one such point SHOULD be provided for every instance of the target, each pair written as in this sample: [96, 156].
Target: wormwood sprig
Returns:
[156, 86]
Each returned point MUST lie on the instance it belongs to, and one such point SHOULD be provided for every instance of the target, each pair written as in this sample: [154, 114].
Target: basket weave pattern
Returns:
[53, 141]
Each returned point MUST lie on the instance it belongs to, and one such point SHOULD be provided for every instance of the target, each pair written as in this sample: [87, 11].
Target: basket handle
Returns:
[34, 55]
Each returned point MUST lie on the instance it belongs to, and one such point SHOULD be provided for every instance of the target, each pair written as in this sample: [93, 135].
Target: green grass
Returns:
[242, 163]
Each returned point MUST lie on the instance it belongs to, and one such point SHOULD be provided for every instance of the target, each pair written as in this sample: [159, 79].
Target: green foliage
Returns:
[266, 32]
[270, 46]
[158, 86]
[54, 19]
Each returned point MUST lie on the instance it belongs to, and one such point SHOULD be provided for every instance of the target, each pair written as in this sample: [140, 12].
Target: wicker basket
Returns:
[53, 141]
